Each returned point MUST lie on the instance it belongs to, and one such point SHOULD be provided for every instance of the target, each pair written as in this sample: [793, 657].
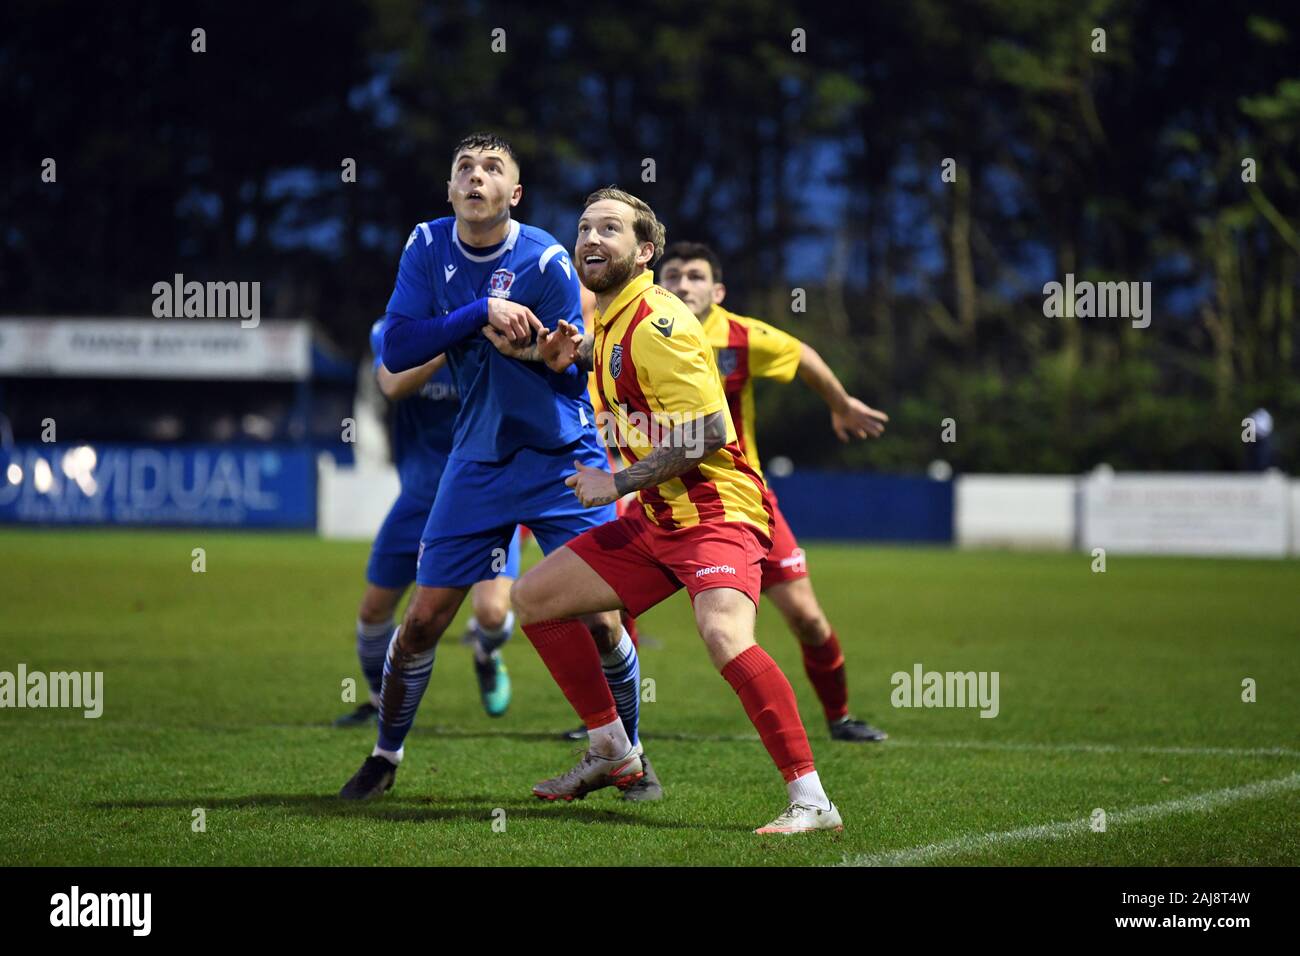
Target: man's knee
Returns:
[526, 598]
[809, 625]
[606, 629]
[491, 617]
[803, 615]
[426, 619]
[377, 606]
[491, 608]
[724, 642]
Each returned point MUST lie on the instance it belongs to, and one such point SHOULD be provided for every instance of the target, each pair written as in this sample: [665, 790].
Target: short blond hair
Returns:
[645, 225]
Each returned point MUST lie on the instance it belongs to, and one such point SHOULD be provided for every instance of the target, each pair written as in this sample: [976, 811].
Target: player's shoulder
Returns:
[748, 321]
[425, 234]
[534, 238]
[664, 316]
[544, 248]
[752, 325]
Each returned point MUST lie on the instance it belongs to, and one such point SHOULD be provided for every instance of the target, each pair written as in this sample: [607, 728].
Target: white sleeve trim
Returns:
[551, 252]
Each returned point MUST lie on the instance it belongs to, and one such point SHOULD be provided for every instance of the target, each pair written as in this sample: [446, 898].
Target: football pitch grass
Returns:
[1120, 691]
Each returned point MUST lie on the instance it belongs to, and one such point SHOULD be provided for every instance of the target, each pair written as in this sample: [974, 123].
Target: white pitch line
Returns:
[1104, 748]
[1196, 803]
[1027, 747]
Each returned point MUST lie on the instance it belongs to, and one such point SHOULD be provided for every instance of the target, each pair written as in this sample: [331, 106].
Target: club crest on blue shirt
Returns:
[500, 282]
[727, 360]
[616, 360]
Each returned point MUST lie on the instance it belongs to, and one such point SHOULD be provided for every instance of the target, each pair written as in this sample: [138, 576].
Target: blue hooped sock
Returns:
[406, 676]
[623, 672]
[372, 648]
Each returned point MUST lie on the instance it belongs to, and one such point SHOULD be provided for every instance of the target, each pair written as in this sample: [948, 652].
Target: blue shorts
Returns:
[480, 503]
[396, 550]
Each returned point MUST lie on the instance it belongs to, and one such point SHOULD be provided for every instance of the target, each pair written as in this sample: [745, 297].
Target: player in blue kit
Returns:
[425, 411]
[520, 428]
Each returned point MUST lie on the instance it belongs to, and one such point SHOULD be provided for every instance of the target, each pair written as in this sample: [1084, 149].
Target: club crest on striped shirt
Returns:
[727, 361]
[616, 360]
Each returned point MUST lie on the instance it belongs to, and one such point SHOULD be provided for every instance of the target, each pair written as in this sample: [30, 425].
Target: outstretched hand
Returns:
[559, 349]
[858, 420]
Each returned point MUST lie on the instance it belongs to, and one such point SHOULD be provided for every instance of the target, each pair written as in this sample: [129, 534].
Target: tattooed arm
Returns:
[690, 444]
[583, 358]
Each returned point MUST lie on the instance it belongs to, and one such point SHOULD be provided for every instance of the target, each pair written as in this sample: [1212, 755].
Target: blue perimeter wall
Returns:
[274, 486]
[866, 507]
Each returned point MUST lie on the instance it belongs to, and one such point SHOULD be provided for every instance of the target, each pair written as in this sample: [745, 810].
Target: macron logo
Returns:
[716, 569]
[450, 271]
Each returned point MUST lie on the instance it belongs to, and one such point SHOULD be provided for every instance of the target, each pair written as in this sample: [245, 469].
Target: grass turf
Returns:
[219, 688]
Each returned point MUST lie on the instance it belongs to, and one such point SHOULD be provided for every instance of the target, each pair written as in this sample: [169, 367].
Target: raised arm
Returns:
[850, 417]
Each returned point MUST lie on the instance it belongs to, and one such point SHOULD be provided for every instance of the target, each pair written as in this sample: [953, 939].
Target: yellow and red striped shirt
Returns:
[747, 349]
[655, 369]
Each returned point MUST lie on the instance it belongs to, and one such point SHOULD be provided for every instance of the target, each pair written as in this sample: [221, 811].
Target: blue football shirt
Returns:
[506, 405]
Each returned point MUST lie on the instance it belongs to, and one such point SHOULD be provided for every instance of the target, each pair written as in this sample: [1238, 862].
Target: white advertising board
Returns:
[151, 348]
[1245, 515]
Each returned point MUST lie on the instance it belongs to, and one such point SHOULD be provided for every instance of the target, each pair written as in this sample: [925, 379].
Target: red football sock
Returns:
[569, 653]
[769, 701]
[629, 625]
[824, 665]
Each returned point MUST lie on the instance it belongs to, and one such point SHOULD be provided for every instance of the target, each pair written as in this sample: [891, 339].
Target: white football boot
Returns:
[592, 773]
[801, 818]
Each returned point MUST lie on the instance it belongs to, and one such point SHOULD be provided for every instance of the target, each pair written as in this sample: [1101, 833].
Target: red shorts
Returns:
[644, 564]
[785, 560]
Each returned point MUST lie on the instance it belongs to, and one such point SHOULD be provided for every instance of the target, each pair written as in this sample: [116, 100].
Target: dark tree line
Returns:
[817, 169]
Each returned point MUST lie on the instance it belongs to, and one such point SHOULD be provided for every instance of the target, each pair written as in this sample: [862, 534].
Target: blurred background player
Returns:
[425, 406]
[747, 349]
[703, 520]
[519, 429]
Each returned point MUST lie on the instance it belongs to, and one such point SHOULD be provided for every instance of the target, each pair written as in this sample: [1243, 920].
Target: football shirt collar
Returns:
[633, 290]
[715, 315]
[505, 247]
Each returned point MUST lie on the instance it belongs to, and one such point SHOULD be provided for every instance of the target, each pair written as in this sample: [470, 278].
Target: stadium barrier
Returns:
[287, 486]
[262, 486]
[840, 506]
[1016, 511]
[352, 502]
[1246, 515]
[1295, 518]
[1255, 514]
[820, 505]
